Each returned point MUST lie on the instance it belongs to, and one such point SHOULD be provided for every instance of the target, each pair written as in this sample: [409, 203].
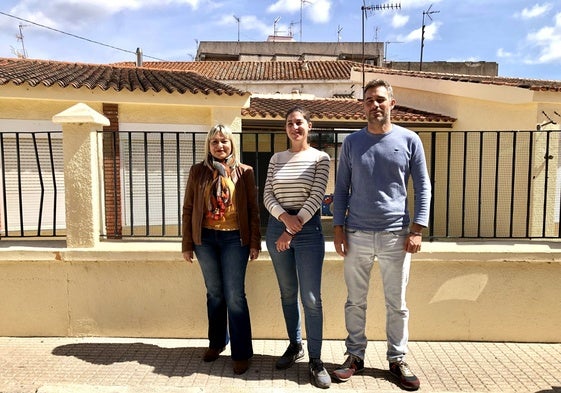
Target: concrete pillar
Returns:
[80, 124]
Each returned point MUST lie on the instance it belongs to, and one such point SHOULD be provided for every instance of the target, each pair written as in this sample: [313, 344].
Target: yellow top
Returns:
[230, 220]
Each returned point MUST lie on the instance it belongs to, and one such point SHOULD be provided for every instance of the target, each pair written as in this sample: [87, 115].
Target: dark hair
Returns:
[300, 109]
[378, 83]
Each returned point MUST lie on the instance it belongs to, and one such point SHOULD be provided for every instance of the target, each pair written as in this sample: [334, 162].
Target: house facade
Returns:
[459, 290]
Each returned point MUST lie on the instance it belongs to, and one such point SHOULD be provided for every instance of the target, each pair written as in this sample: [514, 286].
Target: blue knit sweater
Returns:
[372, 177]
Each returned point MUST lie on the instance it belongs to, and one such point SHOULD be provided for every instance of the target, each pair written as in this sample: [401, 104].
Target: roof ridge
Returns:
[64, 74]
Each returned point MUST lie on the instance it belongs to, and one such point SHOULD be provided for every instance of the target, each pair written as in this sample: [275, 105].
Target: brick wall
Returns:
[111, 172]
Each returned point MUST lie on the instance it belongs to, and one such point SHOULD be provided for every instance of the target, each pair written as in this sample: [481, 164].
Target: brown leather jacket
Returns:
[246, 205]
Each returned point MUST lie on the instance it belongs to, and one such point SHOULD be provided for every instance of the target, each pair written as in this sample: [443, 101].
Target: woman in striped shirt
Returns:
[294, 190]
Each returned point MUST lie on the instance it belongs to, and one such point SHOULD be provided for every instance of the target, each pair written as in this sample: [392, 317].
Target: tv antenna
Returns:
[339, 30]
[428, 13]
[290, 33]
[237, 18]
[371, 9]
[19, 37]
[386, 44]
[302, 2]
[275, 26]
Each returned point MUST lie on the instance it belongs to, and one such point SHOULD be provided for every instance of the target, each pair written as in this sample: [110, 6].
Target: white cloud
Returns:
[399, 20]
[107, 6]
[501, 53]
[284, 6]
[316, 10]
[548, 40]
[431, 33]
[251, 23]
[534, 12]
[65, 14]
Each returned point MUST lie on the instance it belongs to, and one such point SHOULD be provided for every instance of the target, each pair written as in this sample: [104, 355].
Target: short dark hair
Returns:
[378, 83]
[305, 113]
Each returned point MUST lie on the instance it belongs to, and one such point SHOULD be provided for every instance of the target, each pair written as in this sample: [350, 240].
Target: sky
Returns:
[522, 36]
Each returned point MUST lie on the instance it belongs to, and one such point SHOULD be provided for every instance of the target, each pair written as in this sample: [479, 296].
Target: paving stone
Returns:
[129, 365]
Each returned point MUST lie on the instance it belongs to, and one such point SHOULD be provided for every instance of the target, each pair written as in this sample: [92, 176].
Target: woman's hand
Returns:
[253, 253]
[188, 256]
[283, 242]
[292, 223]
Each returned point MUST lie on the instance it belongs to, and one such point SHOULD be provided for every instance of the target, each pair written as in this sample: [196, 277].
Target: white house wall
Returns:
[316, 88]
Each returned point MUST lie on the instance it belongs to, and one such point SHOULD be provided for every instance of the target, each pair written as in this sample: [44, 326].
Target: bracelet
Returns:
[416, 233]
[289, 234]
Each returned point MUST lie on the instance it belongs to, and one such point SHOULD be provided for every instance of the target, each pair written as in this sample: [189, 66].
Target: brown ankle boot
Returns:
[212, 354]
[240, 366]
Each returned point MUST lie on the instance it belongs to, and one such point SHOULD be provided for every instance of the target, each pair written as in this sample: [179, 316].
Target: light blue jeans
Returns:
[394, 262]
[299, 269]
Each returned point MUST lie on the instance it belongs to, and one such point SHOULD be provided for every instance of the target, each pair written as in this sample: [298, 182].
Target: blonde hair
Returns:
[233, 159]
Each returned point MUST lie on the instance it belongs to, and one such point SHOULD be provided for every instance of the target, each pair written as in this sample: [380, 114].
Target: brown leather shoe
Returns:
[240, 366]
[212, 354]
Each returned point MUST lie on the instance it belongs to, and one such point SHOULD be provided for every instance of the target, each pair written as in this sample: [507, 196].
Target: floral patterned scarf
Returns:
[217, 194]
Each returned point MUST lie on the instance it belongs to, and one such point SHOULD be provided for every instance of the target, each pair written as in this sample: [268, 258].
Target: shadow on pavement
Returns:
[186, 361]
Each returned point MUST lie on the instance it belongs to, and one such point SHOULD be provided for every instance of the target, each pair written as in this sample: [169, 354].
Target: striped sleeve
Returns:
[296, 182]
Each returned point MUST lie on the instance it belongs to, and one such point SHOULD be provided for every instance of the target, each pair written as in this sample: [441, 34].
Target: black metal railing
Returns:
[32, 176]
[486, 184]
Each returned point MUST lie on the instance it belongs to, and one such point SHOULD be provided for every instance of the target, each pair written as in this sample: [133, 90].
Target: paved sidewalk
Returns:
[126, 365]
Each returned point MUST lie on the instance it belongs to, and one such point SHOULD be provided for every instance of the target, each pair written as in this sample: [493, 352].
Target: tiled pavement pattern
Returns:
[126, 365]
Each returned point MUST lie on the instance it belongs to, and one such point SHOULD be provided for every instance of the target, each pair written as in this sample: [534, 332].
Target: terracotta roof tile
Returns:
[328, 70]
[522, 83]
[259, 70]
[330, 109]
[105, 77]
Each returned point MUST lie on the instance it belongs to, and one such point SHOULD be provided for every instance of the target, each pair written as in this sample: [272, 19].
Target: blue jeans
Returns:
[394, 262]
[223, 261]
[300, 266]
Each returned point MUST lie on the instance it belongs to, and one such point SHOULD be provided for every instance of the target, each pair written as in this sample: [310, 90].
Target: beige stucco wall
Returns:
[476, 106]
[458, 291]
[24, 109]
[133, 108]
[478, 291]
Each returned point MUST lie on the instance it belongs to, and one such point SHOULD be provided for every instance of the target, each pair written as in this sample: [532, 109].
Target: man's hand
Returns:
[413, 242]
[340, 240]
[414, 239]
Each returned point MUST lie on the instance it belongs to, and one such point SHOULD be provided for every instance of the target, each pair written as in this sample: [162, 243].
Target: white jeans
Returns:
[388, 249]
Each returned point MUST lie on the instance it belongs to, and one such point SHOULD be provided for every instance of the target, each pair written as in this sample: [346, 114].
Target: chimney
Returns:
[138, 57]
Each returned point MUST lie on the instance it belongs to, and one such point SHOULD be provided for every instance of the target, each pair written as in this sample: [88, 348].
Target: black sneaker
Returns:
[353, 365]
[407, 380]
[291, 355]
[319, 375]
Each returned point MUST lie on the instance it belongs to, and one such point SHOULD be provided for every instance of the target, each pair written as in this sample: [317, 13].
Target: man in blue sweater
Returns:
[371, 221]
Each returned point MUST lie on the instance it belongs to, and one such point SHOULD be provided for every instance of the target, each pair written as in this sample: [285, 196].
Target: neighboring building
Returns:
[483, 68]
[281, 50]
[278, 48]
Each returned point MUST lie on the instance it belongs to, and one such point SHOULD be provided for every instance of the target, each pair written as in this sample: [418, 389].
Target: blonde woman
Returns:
[221, 227]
